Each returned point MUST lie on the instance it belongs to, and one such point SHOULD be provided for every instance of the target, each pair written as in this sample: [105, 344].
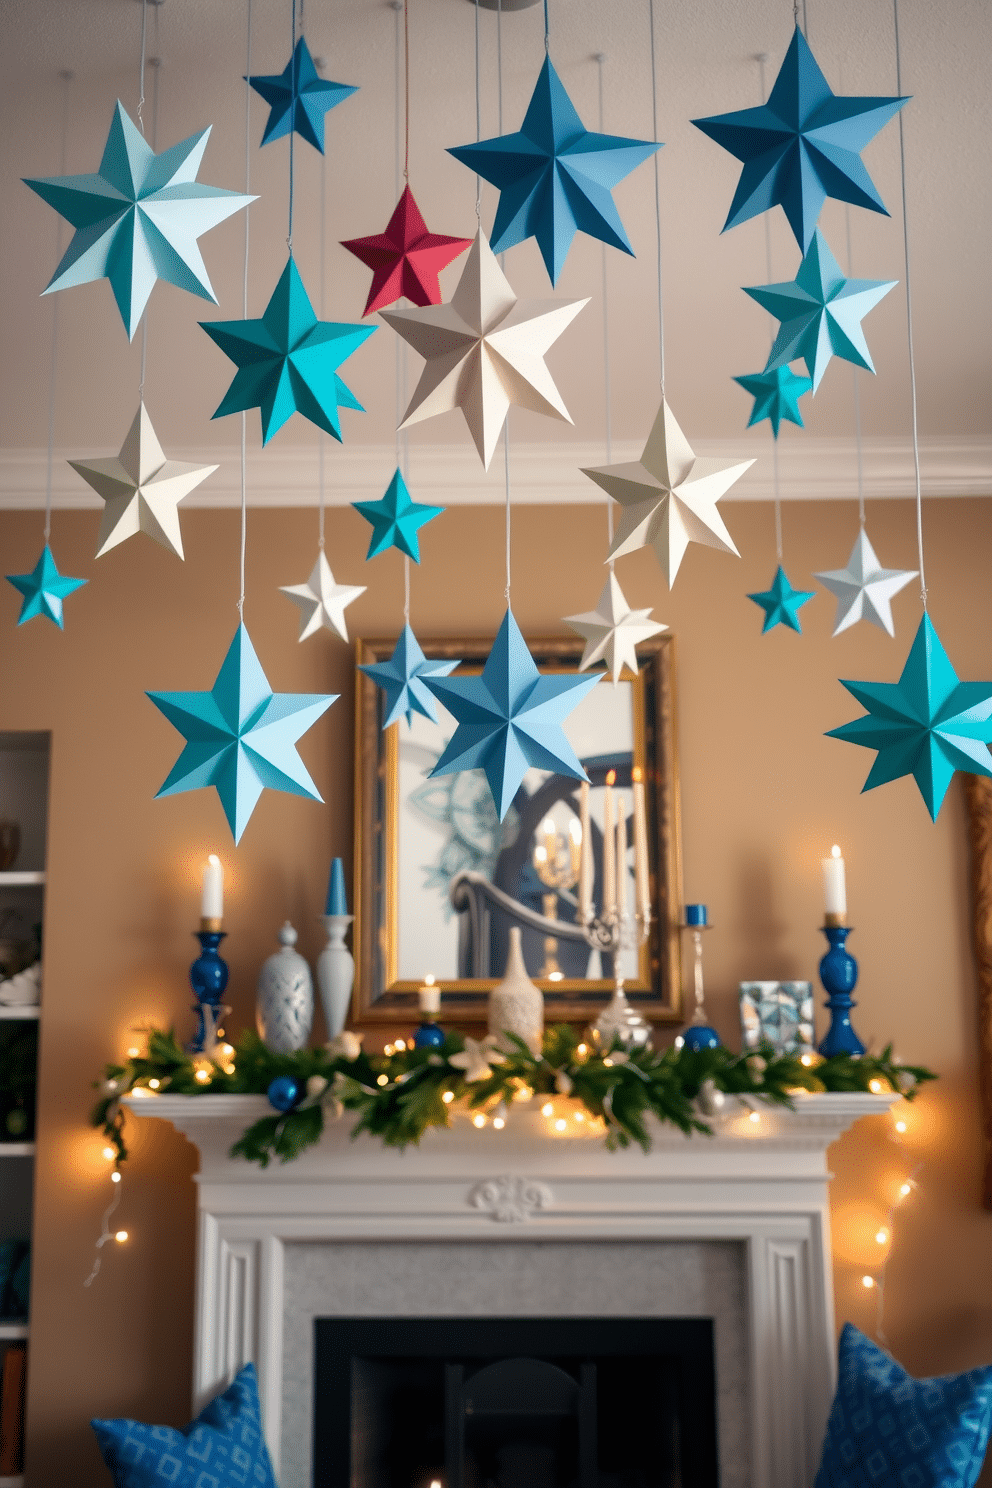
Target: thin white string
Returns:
[909, 317]
[499, 63]
[502, 257]
[600, 58]
[156, 65]
[244, 311]
[761, 58]
[141, 65]
[105, 1234]
[478, 119]
[856, 386]
[321, 436]
[65, 78]
[795, 17]
[292, 131]
[402, 437]
[406, 589]
[506, 471]
[657, 196]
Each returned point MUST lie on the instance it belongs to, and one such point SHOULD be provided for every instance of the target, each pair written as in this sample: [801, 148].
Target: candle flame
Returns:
[214, 859]
[835, 851]
[611, 777]
[636, 774]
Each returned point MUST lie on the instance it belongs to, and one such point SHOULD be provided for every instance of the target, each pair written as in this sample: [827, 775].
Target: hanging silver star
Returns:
[322, 601]
[864, 589]
[612, 630]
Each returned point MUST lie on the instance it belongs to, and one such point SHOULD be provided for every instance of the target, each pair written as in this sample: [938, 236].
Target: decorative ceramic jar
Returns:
[620, 1023]
[284, 1004]
[516, 1005]
[335, 973]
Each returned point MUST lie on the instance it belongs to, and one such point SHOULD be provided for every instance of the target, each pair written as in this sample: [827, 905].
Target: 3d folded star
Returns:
[781, 603]
[864, 589]
[928, 724]
[44, 589]
[612, 630]
[287, 362]
[510, 718]
[669, 496]
[405, 259]
[776, 396]
[321, 601]
[298, 98]
[137, 218]
[241, 736]
[396, 520]
[821, 313]
[402, 679]
[802, 146]
[484, 351]
[555, 176]
[141, 488]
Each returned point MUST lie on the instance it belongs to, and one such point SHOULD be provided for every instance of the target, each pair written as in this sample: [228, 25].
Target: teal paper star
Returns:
[401, 679]
[781, 602]
[241, 737]
[395, 520]
[287, 361]
[137, 218]
[928, 724]
[298, 98]
[776, 396]
[44, 589]
[821, 313]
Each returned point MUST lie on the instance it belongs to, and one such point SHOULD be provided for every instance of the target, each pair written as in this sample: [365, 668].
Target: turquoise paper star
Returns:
[241, 737]
[138, 218]
[401, 679]
[287, 361]
[555, 176]
[44, 589]
[510, 718]
[781, 602]
[395, 520]
[821, 313]
[928, 724]
[776, 396]
[298, 98]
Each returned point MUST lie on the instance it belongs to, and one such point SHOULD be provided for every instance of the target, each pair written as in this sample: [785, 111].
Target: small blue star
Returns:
[298, 98]
[395, 520]
[781, 602]
[44, 589]
[776, 396]
[401, 679]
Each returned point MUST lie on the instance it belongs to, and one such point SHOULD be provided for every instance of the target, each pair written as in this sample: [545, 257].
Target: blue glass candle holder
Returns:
[839, 975]
[208, 978]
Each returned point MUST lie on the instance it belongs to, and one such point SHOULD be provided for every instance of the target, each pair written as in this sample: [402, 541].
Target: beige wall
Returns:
[764, 795]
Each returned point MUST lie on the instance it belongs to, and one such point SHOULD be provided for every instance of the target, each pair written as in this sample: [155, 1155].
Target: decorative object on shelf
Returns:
[337, 896]
[698, 1034]
[864, 589]
[298, 98]
[336, 964]
[284, 1092]
[516, 1006]
[776, 396]
[781, 603]
[430, 1034]
[476, 1058]
[612, 630]
[322, 601]
[284, 1000]
[396, 519]
[620, 1025]
[10, 844]
[208, 978]
[402, 679]
[44, 589]
[405, 259]
[23, 989]
[779, 1014]
[839, 975]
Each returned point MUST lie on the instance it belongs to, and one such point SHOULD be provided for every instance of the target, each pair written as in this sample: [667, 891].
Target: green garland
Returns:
[399, 1095]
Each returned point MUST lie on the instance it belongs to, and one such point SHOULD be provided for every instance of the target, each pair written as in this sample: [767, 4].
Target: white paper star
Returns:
[321, 601]
[669, 496]
[864, 589]
[612, 630]
[477, 1058]
[142, 489]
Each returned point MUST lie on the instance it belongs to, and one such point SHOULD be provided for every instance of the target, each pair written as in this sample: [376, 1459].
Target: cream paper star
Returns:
[484, 351]
[612, 630]
[321, 601]
[864, 589]
[669, 496]
[142, 489]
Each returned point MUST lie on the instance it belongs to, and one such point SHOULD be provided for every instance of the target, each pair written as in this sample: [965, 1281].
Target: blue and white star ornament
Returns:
[781, 603]
[396, 519]
[322, 601]
[402, 679]
[241, 736]
[928, 724]
[613, 630]
[776, 396]
[44, 589]
[298, 98]
[287, 361]
[864, 589]
[510, 718]
[802, 146]
[555, 177]
[137, 218]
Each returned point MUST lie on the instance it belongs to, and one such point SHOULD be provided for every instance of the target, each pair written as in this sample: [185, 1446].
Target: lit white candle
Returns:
[623, 877]
[585, 859]
[641, 876]
[212, 900]
[609, 849]
[834, 884]
[429, 996]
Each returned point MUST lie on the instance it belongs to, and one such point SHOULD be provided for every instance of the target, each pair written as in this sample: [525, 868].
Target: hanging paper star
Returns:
[821, 313]
[776, 396]
[137, 218]
[802, 146]
[406, 259]
[612, 630]
[401, 679]
[669, 496]
[298, 98]
[287, 362]
[510, 718]
[44, 589]
[484, 351]
[555, 176]
[241, 736]
[781, 602]
[396, 519]
[864, 589]
[141, 488]
[321, 601]
[928, 724]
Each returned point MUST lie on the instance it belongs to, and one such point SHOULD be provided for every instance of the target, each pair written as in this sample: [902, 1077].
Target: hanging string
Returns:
[506, 472]
[65, 78]
[478, 119]
[761, 58]
[795, 17]
[156, 64]
[657, 196]
[292, 132]
[856, 384]
[406, 89]
[106, 1233]
[547, 31]
[321, 436]
[244, 311]
[499, 65]
[600, 58]
[141, 65]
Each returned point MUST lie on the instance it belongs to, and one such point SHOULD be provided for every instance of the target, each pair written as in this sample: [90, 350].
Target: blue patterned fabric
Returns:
[223, 1448]
[888, 1430]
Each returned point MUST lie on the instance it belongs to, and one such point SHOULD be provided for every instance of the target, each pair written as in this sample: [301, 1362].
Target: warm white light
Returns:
[229, 1069]
[835, 851]
[499, 1122]
[608, 1061]
[900, 1126]
[109, 1153]
[400, 1045]
[115, 1177]
[154, 1084]
[213, 859]
[547, 1109]
[905, 1189]
[429, 979]
[435, 1484]
[806, 1059]
[548, 827]
[560, 1124]
[754, 1118]
[121, 1236]
[387, 1049]
[523, 1093]
[881, 1237]
[540, 855]
[448, 1097]
[679, 1041]
[555, 976]
[227, 1049]
[133, 1053]
[876, 1087]
[867, 1282]
[479, 1120]
[203, 1076]
[382, 1080]
[580, 1116]
[575, 831]
[582, 1051]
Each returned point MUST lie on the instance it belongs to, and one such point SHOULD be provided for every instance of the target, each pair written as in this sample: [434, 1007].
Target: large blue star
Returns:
[402, 679]
[928, 724]
[44, 589]
[241, 737]
[781, 602]
[138, 218]
[298, 98]
[802, 146]
[555, 177]
[396, 519]
[510, 718]
[287, 361]
[776, 396]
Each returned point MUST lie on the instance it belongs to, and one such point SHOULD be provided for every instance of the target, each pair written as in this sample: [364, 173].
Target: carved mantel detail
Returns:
[510, 1200]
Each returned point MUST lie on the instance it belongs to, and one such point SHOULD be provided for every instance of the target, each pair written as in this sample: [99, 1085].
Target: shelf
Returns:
[13, 1330]
[20, 1012]
[17, 1482]
[12, 879]
[16, 1149]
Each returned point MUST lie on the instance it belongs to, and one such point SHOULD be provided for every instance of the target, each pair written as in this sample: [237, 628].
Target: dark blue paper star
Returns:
[44, 589]
[401, 679]
[781, 602]
[298, 98]
[776, 396]
[396, 519]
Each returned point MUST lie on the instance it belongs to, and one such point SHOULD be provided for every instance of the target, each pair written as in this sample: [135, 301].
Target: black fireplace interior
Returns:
[514, 1403]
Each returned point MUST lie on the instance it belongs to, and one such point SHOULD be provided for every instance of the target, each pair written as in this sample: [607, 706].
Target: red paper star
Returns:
[406, 259]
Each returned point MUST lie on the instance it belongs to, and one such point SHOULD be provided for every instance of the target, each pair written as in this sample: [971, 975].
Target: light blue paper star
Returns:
[821, 313]
[781, 602]
[555, 176]
[298, 98]
[44, 589]
[802, 146]
[401, 679]
[395, 520]
[287, 361]
[510, 718]
[776, 396]
[138, 218]
[928, 724]
[241, 737]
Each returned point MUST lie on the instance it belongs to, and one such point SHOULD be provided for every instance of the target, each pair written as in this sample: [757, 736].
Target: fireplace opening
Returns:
[514, 1403]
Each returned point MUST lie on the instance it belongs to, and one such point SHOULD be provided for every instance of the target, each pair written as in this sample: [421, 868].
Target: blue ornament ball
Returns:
[698, 1036]
[428, 1036]
[284, 1092]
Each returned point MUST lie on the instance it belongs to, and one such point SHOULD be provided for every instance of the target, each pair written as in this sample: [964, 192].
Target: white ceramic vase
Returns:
[284, 1002]
[335, 973]
[516, 1005]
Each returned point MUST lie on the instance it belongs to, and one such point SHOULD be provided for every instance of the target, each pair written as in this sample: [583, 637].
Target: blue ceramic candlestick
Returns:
[839, 975]
[208, 978]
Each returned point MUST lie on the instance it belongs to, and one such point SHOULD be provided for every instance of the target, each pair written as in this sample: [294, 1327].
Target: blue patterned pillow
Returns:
[223, 1448]
[888, 1430]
